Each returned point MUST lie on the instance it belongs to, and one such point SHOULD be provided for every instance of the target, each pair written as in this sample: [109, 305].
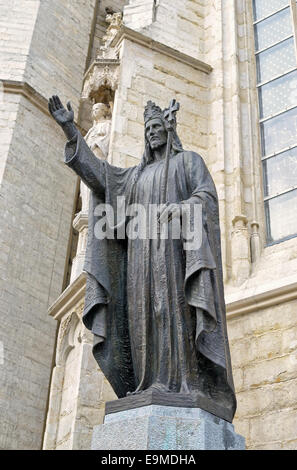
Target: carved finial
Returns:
[115, 23]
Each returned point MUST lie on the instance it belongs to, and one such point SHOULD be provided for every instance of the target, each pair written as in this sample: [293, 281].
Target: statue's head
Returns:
[100, 111]
[156, 134]
[155, 130]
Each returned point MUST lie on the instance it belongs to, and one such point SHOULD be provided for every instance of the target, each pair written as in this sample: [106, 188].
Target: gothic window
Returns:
[275, 44]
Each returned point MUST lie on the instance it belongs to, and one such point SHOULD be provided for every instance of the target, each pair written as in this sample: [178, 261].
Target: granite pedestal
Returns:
[157, 427]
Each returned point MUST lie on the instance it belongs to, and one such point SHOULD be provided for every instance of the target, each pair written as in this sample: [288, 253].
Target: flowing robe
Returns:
[157, 311]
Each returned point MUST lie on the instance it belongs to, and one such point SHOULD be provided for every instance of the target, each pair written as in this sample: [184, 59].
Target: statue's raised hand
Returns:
[63, 117]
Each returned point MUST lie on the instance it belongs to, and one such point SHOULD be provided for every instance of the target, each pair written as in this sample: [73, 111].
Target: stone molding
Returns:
[78, 389]
[17, 87]
[80, 221]
[252, 301]
[80, 224]
[73, 348]
[240, 250]
[66, 339]
[24, 89]
[146, 41]
[69, 298]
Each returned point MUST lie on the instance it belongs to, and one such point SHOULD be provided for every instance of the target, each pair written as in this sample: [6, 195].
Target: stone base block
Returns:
[157, 427]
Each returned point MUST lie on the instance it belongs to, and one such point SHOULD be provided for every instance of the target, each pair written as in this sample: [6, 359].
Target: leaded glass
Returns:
[276, 60]
[280, 172]
[275, 68]
[278, 95]
[264, 8]
[279, 132]
[273, 29]
[281, 216]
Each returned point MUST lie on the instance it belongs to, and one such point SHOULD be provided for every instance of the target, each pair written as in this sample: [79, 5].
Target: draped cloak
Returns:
[157, 311]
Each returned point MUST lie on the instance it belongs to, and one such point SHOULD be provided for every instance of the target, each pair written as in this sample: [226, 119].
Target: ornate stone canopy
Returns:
[101, 81]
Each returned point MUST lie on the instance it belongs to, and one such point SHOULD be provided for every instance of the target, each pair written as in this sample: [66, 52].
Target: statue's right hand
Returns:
[59, 113]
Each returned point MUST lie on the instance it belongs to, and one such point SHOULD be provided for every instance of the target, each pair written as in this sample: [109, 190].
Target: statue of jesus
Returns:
[156, 310]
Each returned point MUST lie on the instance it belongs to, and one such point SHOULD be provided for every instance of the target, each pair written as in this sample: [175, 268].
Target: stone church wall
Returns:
[158, 77]
[263, 349]
[43, 44]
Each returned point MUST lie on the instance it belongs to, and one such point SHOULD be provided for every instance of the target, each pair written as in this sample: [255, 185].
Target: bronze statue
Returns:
[156, 310]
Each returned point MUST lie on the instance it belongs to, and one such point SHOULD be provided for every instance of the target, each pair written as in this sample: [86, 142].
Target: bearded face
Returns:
[155, 133]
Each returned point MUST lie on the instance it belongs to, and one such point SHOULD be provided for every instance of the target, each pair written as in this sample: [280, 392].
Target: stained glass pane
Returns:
[264, 8]
[273, 29]
[279, 132]
[280, 172]
[278, 95]
[281, 216]
[276, 60]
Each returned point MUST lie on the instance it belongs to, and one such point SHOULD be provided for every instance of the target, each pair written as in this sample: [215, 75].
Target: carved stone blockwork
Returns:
[68, 335]
[240, 250]
[78, 388]
[115, 21]
[101, 79]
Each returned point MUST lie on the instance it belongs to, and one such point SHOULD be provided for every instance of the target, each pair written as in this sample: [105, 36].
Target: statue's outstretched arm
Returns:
[64, 118]
[78, 156]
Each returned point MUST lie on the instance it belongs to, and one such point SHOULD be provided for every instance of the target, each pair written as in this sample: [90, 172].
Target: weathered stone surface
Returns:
[16, 29]
[263, 348]
[78, 388]
[183, 19]
[36, 212]
[145, 79]
[165, 428]
[36, 201]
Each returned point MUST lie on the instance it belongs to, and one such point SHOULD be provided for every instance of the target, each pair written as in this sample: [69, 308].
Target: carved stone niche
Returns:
[102, 78]
[100, 84]
[101, 81]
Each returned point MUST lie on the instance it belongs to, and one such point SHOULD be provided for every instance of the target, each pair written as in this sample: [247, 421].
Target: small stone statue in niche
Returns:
[99, 135]
[97, 139]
